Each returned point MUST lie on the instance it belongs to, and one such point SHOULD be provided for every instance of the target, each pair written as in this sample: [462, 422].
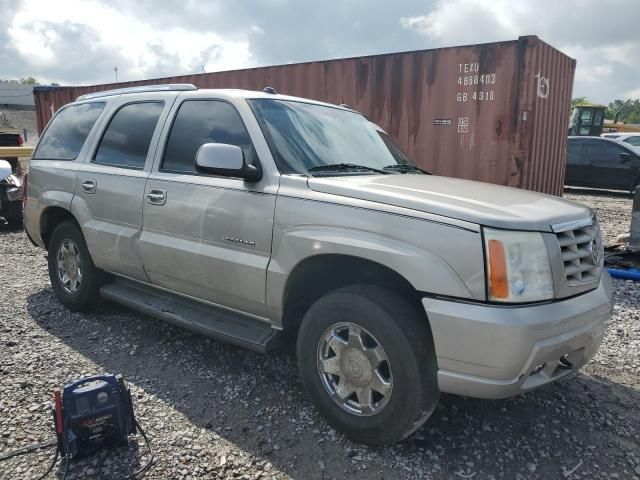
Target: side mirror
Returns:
[226, 160]
[625, 157]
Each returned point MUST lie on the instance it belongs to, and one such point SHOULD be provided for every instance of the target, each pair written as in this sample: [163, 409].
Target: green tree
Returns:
[579, 101]
[29, 81]
[628, 111]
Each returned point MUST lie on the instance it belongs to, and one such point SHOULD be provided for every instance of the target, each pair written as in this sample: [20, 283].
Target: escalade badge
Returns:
[239, 241]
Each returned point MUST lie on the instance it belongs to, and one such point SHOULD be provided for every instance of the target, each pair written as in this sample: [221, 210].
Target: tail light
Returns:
[20, 140]
[25, 183]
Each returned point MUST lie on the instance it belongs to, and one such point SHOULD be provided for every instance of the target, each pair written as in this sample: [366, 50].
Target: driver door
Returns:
[207, 236]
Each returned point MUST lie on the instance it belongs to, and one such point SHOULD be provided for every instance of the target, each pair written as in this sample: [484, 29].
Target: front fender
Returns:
[420, 266]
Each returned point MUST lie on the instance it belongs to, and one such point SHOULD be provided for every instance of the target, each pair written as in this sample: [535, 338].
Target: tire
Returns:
[409, 374]
[82, 294]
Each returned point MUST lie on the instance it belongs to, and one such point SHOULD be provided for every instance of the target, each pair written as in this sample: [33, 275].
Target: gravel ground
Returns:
[216, 411]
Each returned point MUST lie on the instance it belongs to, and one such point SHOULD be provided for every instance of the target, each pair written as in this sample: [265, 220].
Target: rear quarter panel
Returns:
[50, 184]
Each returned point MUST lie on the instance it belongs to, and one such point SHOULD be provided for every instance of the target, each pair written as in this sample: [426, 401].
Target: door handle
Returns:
[89, 185]
[157, 196]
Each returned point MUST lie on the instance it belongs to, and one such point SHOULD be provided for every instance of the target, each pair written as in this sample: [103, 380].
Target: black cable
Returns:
[67, 458]
[28, 449]
[53, 464]
[151, 456]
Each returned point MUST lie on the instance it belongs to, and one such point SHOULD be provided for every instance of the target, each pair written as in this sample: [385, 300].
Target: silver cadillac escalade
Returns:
[266, 220]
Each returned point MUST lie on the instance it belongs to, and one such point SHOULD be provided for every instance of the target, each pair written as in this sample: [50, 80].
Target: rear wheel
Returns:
[367, 361]
[74, 277]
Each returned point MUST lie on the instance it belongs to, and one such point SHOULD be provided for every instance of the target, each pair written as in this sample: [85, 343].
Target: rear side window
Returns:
[635, 141]
[575, 152]
[68, 131]
[126, 140]
[604, 152]
[203, 121]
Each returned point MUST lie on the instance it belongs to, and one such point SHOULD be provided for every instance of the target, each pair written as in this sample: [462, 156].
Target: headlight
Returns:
[517, 266]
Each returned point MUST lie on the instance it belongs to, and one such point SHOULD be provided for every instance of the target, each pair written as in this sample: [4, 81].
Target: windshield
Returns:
[306, 136]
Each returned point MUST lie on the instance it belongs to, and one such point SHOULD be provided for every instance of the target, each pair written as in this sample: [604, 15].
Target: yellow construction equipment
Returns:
[15, 152]
[588, 119]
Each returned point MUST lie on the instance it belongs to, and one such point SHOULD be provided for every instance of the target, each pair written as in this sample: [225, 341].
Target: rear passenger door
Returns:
[610, 168]
[110, 184]
[208, 236]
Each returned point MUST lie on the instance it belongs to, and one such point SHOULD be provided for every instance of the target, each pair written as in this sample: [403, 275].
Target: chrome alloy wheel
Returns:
[69, 266]
[354, 369]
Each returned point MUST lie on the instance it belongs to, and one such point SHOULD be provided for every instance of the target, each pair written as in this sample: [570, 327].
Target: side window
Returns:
[68, 131]
[125, 142]
[575, 152]
[203, 121]
[604, 153]
[635, 141]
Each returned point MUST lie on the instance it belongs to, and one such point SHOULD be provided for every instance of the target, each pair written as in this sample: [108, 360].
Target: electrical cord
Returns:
[28, 449]
[67, 458]
[151, 455]
[134, 474]
[53, 464]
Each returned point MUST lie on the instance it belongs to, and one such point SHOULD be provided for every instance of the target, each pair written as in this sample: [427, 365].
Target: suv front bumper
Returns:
[490, 351]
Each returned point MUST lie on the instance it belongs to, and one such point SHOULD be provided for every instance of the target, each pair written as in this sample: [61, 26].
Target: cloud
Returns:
[75, 41]
[80, 41]
[605, 45]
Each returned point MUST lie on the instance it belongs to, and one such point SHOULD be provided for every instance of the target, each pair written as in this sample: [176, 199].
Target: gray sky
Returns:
[80, 41]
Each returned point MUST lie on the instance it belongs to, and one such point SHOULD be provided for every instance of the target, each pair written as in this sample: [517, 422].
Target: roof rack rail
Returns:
[140, 89]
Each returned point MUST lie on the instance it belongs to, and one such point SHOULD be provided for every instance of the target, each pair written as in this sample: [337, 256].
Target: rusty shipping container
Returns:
[495, 112]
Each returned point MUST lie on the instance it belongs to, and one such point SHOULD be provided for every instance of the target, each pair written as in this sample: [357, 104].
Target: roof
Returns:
[620, 134]
[187, 87]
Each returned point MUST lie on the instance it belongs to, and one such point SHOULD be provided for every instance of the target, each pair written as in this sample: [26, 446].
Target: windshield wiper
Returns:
[404, 168]
[344, 167]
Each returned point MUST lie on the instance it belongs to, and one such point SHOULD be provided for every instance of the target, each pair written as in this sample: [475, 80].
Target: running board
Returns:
[211, 321]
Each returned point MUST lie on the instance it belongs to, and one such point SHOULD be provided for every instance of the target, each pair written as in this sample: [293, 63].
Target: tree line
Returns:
[628, 111]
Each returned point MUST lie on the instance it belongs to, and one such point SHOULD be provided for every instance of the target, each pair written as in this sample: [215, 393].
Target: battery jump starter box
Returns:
[93, 413]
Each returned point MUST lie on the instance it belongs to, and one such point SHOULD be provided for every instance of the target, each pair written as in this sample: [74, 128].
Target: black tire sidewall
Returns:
[406, 339]
[88, 287]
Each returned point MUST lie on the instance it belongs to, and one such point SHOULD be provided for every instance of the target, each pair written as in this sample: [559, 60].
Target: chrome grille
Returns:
[582, 253]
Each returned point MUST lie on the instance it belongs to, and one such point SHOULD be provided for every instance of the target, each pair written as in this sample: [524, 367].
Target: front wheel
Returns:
[74, 277]
[367, 361]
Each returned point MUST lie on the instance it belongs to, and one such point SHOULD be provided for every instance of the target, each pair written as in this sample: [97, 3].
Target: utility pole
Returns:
[115, 69]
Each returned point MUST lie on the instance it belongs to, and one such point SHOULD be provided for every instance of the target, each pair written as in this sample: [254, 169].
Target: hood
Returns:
[476, 202]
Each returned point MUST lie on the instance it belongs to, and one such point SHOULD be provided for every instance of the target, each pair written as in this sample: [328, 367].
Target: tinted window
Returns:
[635, 141]
[126, 141]
[604, 152]
[199, 122]
[68, 131]
[575, 152]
